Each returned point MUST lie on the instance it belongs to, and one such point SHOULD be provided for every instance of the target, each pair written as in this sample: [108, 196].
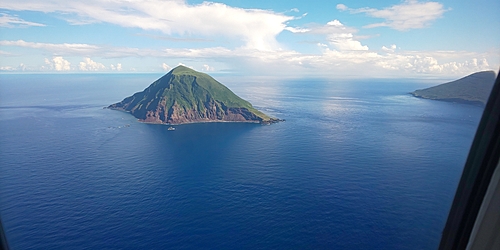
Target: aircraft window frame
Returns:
[481, 163]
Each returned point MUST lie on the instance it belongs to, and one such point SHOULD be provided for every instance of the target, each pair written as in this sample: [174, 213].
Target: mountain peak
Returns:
[181, 69]
[184, 95]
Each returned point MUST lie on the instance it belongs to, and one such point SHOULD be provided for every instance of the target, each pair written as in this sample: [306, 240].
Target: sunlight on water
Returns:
[356, 165]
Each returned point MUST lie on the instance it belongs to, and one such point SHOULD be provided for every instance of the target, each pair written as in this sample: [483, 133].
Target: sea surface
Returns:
[358, 164]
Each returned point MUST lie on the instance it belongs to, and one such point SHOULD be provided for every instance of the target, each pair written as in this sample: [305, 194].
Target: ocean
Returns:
[358, 164]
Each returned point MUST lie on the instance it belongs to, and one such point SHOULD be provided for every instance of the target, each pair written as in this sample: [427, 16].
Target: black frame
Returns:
[3, 240]
[480, 165]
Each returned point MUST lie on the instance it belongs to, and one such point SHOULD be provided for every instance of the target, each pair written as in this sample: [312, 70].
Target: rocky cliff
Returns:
[187, 96]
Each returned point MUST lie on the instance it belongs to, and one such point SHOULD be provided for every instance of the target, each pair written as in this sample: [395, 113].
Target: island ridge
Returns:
[473, 89]
[184, 95]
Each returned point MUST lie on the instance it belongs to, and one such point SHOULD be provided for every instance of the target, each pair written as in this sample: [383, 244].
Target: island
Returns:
[184, 95]
[472, 89]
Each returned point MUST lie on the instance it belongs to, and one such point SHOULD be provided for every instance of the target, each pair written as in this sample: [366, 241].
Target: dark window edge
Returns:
[481, 162]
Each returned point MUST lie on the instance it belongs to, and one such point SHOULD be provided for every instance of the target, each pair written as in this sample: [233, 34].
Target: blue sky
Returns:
[271, 38]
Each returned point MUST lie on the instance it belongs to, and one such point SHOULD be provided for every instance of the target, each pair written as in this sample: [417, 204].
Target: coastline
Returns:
[453, 100]
[267, 122]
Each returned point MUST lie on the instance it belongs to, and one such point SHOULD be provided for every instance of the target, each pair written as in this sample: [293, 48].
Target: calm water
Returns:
[357, 165]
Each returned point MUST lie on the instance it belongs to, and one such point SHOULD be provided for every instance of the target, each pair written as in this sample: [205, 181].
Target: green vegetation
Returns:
[184, 95]
[474, 88]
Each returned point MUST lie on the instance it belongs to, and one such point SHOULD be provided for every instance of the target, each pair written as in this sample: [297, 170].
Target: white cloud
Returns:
[207, 68]
[60, 64]
[57, 48]
[344, 40]
[57, 63]
[88, 50]
[337, 34]
[21, 67]
[341, 7]
[343, 63]
[90, 65]
[198, 53]
[79, 49]
[391, 48]
[5, 53]
[436, 63]
[297, 30]
[165, 67]
[118, 67]
[330, 61]
[411, 14]
[257, 29]
[11, 21]
[6, 68]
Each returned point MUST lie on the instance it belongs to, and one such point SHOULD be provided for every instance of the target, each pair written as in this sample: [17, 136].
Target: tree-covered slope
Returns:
[474, 88]
[184, 96]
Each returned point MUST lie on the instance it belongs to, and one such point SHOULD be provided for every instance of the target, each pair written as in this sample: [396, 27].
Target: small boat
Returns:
[170, 128]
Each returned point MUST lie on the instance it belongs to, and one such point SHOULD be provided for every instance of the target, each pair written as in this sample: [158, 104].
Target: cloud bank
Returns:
[57, 63]
[336, 33]
[89, 65]
[338, 51]
[257, 29]
[343, 55]
[411, 14]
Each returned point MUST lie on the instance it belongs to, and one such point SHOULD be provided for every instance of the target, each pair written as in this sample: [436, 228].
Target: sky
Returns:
[283, 38]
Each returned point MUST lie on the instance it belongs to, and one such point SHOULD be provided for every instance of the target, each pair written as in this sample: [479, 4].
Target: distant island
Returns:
[184, 95]
[473, 89]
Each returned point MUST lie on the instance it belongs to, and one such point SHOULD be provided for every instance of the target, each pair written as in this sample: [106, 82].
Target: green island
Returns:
[472, 89]
[184, 95]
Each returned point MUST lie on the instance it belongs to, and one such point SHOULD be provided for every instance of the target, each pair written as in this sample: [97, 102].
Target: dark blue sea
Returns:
[358, 164]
